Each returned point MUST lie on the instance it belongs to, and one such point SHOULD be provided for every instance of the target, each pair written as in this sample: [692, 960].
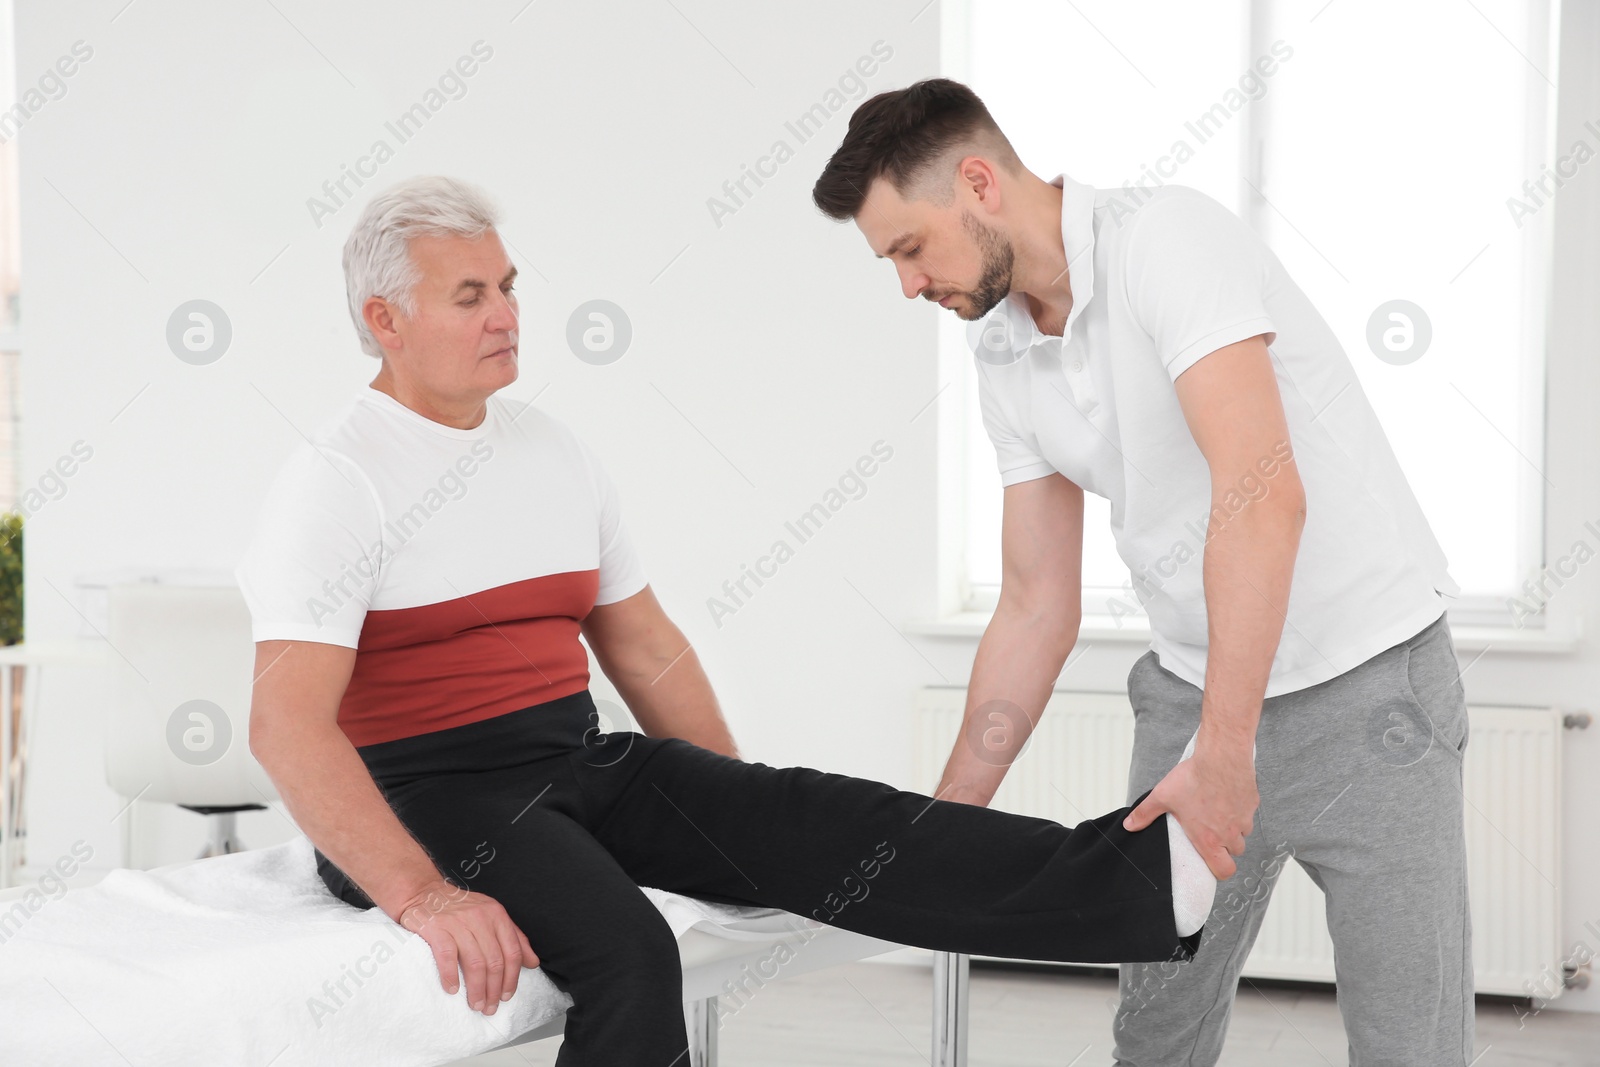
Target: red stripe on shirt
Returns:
[429, 668]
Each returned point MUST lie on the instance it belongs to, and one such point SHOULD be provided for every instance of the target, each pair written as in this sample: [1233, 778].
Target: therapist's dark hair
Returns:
[900, 135]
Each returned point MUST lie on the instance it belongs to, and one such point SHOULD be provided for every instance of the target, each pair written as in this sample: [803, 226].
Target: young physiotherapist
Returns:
[1146, 345]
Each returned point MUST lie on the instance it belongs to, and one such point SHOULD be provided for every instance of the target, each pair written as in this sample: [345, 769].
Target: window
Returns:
[10, 266]
[1383, 158]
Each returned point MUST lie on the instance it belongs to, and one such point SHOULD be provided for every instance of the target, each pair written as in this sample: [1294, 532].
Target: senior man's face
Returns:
[463, 336]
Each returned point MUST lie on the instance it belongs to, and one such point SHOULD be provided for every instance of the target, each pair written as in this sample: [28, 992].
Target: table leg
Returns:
[950, 1009]
[701, 1016]
[27, 716]
[8, 812]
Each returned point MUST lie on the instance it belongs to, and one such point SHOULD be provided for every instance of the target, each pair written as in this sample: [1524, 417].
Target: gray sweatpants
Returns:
[1360, 782]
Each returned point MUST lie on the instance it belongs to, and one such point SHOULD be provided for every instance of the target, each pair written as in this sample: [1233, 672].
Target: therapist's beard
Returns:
[994, 284]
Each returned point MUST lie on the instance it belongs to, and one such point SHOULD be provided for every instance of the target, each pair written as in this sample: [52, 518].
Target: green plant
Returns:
[10, 577]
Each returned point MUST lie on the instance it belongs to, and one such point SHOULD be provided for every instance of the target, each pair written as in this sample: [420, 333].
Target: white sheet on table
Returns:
[225, 962]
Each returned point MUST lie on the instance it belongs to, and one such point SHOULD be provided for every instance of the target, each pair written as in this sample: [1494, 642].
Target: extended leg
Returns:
[884, 862]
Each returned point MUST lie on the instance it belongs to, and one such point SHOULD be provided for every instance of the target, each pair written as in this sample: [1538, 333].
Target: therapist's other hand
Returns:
[470, 932]
[1213, 795]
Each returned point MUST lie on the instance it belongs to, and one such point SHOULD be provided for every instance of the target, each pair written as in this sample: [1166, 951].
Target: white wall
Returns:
[769, 352]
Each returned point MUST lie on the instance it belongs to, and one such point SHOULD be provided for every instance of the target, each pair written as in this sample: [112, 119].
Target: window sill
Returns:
[1135, 630]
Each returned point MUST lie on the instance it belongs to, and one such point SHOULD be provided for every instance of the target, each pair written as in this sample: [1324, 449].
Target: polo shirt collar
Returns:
[1077, 239]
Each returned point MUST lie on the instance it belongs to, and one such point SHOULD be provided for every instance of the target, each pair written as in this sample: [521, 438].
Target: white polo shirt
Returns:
[1156, 287]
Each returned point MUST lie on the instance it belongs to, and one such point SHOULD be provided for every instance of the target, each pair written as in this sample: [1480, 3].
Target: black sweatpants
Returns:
[561, 822]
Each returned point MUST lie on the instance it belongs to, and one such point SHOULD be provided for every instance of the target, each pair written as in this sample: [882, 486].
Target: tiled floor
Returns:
[878, 1014]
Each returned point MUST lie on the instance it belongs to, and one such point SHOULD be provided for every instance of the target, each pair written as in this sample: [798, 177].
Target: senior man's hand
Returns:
[470, 932]
[1213, 795]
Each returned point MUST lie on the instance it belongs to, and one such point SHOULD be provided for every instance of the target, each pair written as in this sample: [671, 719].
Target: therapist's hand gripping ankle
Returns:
[1214, 798]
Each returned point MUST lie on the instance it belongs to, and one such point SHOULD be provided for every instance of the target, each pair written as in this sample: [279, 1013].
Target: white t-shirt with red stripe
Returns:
[458, 563]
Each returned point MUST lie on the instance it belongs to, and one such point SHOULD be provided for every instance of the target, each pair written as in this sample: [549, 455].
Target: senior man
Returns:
[1145, 345]
[424, 567]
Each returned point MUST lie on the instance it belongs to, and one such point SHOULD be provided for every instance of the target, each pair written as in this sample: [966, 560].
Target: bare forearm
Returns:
[1019, 658]
[668, 692]
[333, 799]
[1249, 563]
[656, 672]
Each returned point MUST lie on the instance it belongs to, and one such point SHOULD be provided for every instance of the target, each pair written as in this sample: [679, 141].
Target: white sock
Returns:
[1194, 887]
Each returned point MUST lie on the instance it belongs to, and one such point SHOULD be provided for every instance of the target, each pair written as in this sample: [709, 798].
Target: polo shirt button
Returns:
[1077, 364]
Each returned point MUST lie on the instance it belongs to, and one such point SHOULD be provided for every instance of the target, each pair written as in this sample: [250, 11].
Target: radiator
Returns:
[1075, 767]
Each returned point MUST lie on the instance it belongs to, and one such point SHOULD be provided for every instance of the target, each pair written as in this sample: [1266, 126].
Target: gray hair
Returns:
[377, 259]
